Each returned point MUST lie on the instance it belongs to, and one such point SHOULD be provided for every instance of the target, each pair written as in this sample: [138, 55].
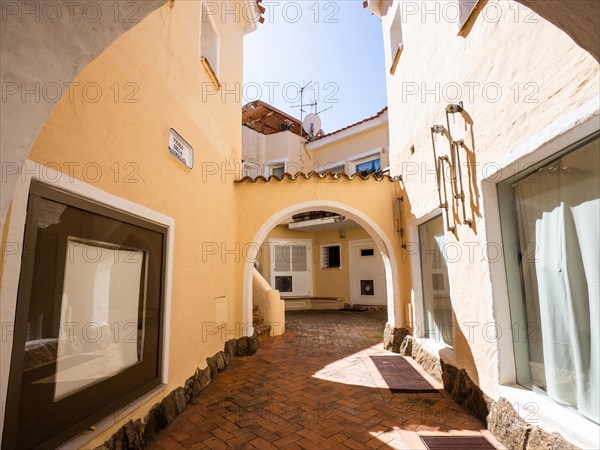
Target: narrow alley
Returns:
[317, 387]
[264, 224]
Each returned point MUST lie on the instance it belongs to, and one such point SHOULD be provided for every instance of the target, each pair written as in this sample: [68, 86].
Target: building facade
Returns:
[108, 288]
[493, 117]
[130, 236]
[275, 143]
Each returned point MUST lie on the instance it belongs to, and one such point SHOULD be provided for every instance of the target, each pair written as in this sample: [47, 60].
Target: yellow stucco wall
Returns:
[356, 199]
[517, 74]
[119, 144]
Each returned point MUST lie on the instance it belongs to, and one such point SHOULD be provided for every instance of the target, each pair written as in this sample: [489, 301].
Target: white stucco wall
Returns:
[524, 83]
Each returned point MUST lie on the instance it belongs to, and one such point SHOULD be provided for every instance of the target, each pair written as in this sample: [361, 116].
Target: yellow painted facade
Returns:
[115, 139]
[150, 80]
[522, 104]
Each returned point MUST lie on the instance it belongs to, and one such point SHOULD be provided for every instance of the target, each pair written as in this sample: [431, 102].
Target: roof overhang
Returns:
[323, 224]
[348, 132]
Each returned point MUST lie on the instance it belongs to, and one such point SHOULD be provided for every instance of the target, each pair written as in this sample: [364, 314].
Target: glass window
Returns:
[551, 231]
[434, 272]
[278, 170]
[275, 169]
[367, 167]
[87, 328]
[291, 266]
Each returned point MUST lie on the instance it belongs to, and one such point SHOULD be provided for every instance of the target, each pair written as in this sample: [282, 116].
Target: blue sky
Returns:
[336, 46]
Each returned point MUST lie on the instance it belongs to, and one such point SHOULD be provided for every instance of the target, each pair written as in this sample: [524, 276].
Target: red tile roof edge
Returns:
[316, 175]
[379, 114]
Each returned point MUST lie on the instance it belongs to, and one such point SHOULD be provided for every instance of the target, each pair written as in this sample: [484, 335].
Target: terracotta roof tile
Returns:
[379, 114]
[316, 175]
[261, 11]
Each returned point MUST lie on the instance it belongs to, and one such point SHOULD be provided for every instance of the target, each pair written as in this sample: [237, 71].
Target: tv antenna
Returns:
[302, 105]
[312, 123]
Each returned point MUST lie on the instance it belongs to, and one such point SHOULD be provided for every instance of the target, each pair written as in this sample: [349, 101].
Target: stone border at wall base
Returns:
[499, 416]
[137, 434]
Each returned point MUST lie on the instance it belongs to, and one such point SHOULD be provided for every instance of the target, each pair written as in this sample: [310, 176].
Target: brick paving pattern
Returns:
[316, 388]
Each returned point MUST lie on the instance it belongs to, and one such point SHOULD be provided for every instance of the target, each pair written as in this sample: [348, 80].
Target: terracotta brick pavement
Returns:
[315, 388]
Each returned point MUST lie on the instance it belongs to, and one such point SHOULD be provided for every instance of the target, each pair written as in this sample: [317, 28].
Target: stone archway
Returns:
[383, 242]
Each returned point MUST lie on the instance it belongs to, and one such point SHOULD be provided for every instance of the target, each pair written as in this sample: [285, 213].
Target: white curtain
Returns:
[558, 210]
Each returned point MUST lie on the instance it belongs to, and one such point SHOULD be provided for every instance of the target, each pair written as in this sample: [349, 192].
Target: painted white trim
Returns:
[384, 244]
[550, 140]
[352, 264]
[567, 130]
[415, 263]
[370, 155]
[12, 264]
[434, 346]
[309, 263]
[268, 165]
[80, 440]
[349, 132]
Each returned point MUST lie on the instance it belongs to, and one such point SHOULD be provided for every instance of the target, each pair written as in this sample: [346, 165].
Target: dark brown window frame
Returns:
[37, 192]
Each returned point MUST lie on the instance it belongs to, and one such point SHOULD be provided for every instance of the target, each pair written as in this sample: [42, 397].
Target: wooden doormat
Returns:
[401, 377]
[457, 442]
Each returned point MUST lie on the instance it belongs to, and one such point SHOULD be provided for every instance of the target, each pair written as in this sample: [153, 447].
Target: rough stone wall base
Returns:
[137, 434]
[393, 337]
[500, 417]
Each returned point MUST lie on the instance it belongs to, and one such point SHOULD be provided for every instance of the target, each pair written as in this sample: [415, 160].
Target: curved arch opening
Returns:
[382, 242]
